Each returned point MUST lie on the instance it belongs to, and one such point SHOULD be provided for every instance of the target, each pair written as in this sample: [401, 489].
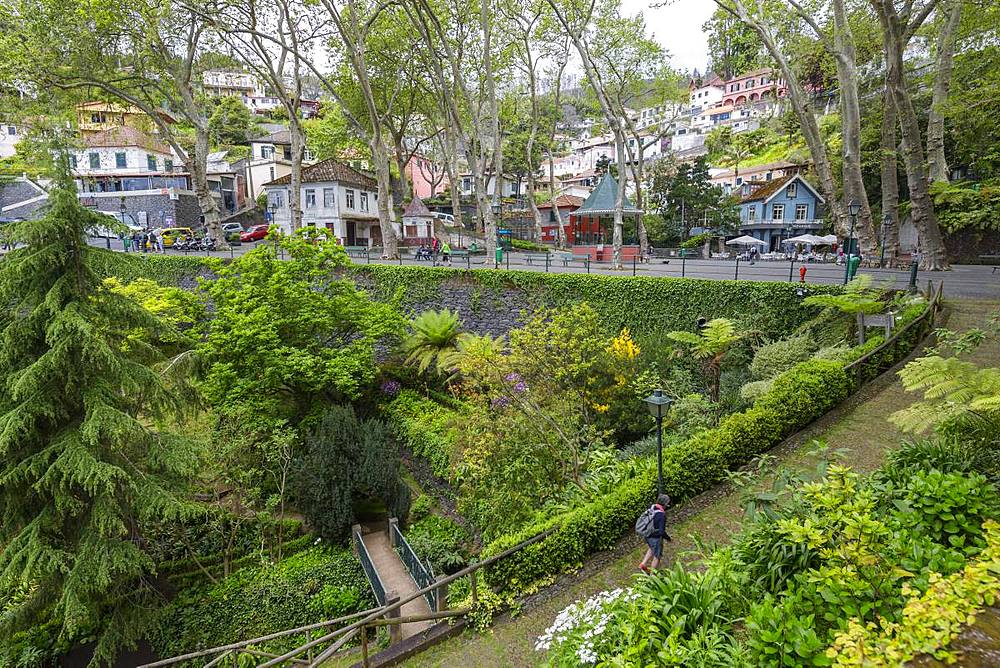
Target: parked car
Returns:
[255, 233]
[170, 235]
[232, 231]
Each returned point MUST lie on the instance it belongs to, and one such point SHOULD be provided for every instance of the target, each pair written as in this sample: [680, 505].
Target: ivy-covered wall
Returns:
[497, 301]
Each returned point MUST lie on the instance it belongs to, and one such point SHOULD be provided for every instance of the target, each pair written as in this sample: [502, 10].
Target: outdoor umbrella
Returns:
[804, 239]
[828, 239]
[745, 240]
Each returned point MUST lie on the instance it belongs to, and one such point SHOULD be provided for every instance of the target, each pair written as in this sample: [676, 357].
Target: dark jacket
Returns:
[659, 522]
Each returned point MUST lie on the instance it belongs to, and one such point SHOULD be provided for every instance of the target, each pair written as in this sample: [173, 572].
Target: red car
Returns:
[255, 233]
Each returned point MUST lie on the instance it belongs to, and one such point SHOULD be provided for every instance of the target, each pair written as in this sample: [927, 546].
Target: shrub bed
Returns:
[175, 270]
[797, 397]
[423, 425]
[317, 584]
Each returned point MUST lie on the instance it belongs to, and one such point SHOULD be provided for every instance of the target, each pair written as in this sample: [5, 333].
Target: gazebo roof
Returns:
[417, 209]
[602, 201]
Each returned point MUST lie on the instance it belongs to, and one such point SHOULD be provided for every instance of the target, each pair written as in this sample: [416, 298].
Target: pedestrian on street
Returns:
[652, 525]
[136, 238]
[446, 252]
[126, 242]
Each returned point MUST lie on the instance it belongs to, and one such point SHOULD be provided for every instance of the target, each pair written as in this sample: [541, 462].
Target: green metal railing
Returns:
[421, 573]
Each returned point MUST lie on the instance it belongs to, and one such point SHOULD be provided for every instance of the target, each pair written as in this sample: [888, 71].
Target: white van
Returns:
[446, 218]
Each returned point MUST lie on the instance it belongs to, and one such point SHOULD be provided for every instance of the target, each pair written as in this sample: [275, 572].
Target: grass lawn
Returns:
[859, 428]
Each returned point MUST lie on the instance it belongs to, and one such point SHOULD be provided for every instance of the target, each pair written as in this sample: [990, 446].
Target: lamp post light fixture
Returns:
[658, 405]
[853, 209]
[886, 226]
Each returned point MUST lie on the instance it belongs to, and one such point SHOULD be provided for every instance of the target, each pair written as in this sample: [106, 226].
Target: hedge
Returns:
[180, 271]
[797, 397]
[641, 303]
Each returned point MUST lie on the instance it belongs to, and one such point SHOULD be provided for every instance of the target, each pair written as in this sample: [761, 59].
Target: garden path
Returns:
[859, 427]
[396, 578]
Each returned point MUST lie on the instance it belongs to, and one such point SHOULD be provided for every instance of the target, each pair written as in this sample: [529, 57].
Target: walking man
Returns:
[652, 525]
[446, 253]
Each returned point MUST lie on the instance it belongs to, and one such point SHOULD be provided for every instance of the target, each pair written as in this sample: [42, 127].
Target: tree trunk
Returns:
[386, 210]
[198, 166]
[298, 153]
[937, 164]
[850, 115]
[800, 104]
[619, 222]
[890, 177]
[489, 226]
[535, 212]
[933, 253]
[400, 186]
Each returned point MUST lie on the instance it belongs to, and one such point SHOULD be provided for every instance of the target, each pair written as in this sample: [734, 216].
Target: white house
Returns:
[705, 93]
[509, 185]
[270, 158]
[334, 196]
[10, 135]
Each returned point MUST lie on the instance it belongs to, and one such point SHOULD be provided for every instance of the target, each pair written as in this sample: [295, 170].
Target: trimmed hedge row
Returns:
[798, 397]
[180, 271]
[642, 303]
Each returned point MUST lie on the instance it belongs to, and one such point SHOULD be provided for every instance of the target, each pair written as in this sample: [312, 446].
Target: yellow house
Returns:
[95, 117]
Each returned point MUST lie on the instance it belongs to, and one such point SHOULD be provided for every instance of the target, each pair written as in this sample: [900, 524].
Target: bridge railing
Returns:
[378, 587]
[422, 573]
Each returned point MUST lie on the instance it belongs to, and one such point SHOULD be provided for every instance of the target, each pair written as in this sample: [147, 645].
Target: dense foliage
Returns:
[842, 570]
[87, 460]
[314, 585]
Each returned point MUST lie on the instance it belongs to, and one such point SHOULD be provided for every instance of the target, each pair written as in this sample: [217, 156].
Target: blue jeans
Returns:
[655, 544]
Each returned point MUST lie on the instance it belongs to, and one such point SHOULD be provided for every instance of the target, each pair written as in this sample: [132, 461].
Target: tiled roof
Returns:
[564, 201]
[329, 171]
[762, 192]
[124, 136]
[279, 137]
[759, 169]
[417, 209]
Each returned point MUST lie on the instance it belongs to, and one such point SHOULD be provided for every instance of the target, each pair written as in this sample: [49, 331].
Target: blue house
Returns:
[780, 209]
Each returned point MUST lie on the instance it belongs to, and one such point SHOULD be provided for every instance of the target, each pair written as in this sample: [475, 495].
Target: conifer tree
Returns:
[83, 466]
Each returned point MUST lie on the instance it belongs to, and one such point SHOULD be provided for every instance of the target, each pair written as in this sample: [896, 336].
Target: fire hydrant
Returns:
[802, 274]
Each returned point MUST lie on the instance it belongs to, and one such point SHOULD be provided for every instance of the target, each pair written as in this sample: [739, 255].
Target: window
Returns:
[12, 129]
[735, 87]
[310, 199]
[151, 162]
[364, 201]
[801, 212]
[276, 200]
[777, 212]
[768, 176]
[739, 180]
[791, 191]
[752, 213]
[349, 199]
[168, 164]
[72, 162]
[746, 189]
[120, 161]
[272, 173]
[266, 151]
[95, 160]
[328, 200]
[751, 83]
[98, 117]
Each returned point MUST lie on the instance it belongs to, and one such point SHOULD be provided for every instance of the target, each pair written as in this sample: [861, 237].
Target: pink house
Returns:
[427, 177]
[752, 87]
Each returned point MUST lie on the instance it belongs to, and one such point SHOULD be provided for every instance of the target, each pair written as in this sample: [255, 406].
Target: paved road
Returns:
[969, 281]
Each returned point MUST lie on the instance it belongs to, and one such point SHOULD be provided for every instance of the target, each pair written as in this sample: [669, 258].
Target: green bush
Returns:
[320, 583]
[798, 397]
[425, 427]
[440, 542]
[779, 356]
[164, 269]
[520, 244]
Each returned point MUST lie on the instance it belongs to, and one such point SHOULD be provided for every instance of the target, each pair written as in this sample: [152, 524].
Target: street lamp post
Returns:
[273, 207]
[886, 226]
[853, 209]
[789, 231]
[658, 405]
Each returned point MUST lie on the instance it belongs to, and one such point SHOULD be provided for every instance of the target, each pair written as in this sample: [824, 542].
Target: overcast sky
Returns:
[678, 28]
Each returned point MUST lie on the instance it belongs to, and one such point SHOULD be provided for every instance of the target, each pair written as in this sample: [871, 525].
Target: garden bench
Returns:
[357, 251]
[567, 258]
[532, 258]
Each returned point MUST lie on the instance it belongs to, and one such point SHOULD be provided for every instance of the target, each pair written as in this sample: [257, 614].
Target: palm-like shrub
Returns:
[710, 346]
[434, 337]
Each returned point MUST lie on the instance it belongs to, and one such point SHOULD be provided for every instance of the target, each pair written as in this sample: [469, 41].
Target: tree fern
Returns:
[81, 469]
[710, 346]
[434, 335]
[951, 387]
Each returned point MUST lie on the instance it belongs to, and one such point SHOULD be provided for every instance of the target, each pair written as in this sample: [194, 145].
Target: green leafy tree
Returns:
[733, 49]
[230, 122]
[710, 346]
[685, 197]
[85, 463]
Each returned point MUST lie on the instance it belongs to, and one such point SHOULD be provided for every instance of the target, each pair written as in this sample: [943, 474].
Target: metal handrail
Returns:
[422, 574]
[378, 587]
